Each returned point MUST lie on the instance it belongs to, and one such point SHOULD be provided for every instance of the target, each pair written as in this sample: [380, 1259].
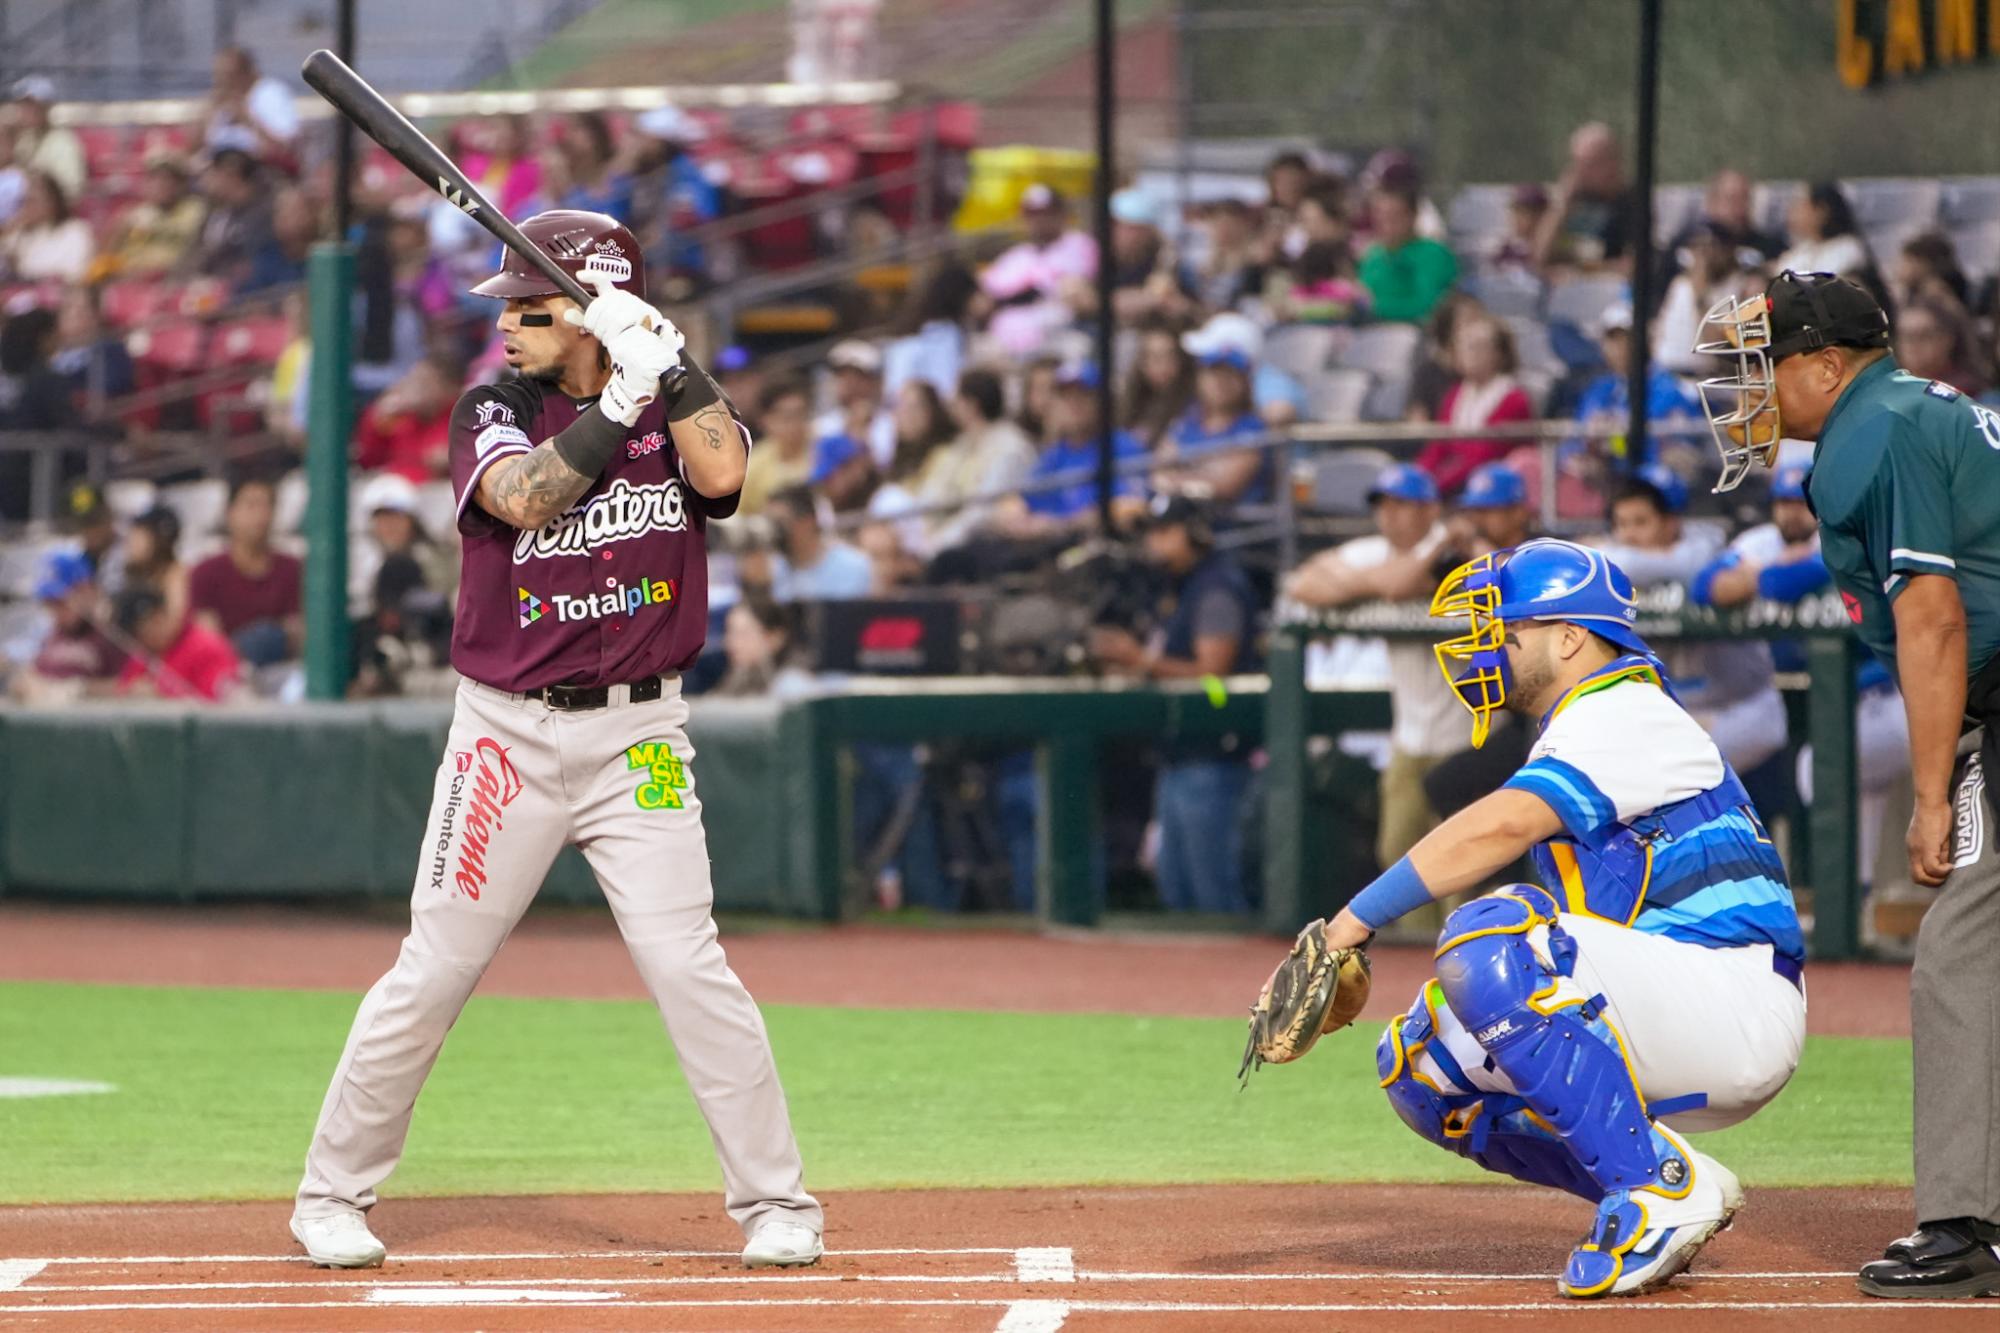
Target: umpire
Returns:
[1906, 488]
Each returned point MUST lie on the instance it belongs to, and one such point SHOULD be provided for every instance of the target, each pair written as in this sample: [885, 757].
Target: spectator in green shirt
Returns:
[1406, 274]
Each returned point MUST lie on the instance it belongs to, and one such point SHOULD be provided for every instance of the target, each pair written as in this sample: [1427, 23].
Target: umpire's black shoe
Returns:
[1958, 1257]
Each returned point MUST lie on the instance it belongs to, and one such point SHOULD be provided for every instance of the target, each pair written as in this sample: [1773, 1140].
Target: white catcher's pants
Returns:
[1712, 1021]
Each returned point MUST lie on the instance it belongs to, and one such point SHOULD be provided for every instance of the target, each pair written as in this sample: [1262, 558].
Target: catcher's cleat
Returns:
[1643, 1238]
[1316, 990]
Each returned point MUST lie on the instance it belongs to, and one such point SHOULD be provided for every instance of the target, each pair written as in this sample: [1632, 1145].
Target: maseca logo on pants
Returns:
[489, 776]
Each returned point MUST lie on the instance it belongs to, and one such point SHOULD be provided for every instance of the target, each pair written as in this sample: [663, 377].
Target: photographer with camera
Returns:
[1207, 631]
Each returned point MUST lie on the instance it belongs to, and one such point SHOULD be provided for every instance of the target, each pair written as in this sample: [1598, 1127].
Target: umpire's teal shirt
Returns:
[1906, 480]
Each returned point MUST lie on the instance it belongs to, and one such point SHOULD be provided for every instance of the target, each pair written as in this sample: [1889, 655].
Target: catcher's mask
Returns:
[1797, 312]
[1543, 580]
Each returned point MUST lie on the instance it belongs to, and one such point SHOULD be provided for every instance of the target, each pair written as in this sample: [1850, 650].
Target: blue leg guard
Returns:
[1493, 1129]
[1563, 1057]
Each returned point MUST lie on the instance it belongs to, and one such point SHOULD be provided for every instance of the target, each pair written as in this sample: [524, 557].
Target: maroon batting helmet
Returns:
[586, 245]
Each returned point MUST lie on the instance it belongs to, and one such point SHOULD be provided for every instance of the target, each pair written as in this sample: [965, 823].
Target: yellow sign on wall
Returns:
[1892, 39]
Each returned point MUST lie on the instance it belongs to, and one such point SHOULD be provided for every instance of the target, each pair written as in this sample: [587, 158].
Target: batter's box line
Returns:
[524, 1256]
[1065, 1307]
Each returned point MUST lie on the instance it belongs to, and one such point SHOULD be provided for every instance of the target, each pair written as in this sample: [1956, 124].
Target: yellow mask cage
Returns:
[1474, 663]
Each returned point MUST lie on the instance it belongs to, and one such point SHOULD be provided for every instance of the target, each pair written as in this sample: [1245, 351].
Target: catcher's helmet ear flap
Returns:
[586, 245]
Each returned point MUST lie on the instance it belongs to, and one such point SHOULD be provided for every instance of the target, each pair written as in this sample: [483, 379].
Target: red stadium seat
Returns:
[257, 341]
[104, 147]
[831, 122]
[134, 301]
[787, 242]
[956, 124]
[883, 155]
[161, 355]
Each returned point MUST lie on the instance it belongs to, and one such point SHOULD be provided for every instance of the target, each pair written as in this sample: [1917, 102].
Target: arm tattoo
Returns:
[530, 490]
[711, 421]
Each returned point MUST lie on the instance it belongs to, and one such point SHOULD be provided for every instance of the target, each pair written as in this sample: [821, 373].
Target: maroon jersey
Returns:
[614, 590]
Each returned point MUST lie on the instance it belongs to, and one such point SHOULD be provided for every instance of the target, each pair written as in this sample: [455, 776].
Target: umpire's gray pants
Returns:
[1955, 1016]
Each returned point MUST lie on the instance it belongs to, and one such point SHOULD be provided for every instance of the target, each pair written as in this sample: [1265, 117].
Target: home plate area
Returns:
[1210, 1258]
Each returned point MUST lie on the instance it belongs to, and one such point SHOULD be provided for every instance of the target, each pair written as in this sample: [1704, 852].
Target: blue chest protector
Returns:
[1608, 872]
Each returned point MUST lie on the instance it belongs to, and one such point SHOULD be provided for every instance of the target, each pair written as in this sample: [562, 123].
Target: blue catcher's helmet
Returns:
[1544, 580]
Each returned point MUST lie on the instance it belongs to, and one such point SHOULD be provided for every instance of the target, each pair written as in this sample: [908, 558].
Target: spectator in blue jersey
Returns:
[1072, 454]
[854, 437]
[1673, 413]
[1780, 561]
[1276, 398]
[1211, 442]
[670, 193]
[595, 183]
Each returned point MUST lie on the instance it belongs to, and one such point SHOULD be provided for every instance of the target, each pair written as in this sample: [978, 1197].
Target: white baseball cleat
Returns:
[783, 1245]
[339, 1240]
[1642, 1240]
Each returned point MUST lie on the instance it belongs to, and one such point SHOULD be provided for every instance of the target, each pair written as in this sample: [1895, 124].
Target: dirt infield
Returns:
[1260, 1258]
[577, 954]
[1265, 1259]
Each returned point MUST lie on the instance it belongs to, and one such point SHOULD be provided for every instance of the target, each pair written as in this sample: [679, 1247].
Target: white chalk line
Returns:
[1080, 1306]
[529, 1256]
[1047, 1263]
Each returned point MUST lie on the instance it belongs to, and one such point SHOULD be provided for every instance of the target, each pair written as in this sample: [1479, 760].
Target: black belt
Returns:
[1791, 969]
[578, 698]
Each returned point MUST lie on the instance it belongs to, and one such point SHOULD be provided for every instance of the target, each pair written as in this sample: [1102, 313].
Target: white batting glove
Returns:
[613, 312]
[638, 359]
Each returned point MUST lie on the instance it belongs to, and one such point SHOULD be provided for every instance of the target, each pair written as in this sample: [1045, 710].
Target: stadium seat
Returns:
[1978, 246]
[1771, 205]
[1341, 478]
[1581, 302]
[1674, 207]
[200, 505]
[883, 155]
[1970, 199]
[1508, 292]
[1384, 350]
[956, 124]
[437, 507]
[1533, 348]
[1337, 395]
[1388, 352]
[1886, 240]
[1300, 350]
[1881, 202]
[1477, 213]
[289, 506]
[255, 341]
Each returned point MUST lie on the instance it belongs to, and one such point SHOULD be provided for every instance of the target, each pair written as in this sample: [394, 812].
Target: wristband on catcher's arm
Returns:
[697, 391]
[587, 443]
[1395, 892]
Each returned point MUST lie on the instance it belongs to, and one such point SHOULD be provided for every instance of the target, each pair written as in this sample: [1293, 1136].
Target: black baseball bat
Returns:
[329, 76]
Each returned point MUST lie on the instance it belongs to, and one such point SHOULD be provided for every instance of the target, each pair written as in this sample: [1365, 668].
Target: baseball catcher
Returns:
[1652, 983]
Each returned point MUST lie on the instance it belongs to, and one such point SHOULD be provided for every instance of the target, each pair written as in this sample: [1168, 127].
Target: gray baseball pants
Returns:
[519, 781]
[1955, 1016]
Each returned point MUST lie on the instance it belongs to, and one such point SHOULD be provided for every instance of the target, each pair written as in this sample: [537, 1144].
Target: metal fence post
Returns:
[1066, 834]
[1285, 735]
[1830, 723]
[329, 281]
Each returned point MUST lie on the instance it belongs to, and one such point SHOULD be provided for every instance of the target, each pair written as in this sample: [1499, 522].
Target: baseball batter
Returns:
[583, 494]
[1652, 985]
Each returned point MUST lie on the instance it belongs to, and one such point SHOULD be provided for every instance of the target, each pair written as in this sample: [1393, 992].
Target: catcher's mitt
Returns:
[1316, 990]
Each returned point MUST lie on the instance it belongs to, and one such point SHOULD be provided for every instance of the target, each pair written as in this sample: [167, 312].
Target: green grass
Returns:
[218, 1090]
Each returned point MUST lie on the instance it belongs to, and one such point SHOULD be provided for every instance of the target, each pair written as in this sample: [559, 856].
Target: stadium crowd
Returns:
[948, 442]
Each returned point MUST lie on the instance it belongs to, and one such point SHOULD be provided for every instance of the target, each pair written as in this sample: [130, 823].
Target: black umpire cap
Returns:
[1814, 310]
